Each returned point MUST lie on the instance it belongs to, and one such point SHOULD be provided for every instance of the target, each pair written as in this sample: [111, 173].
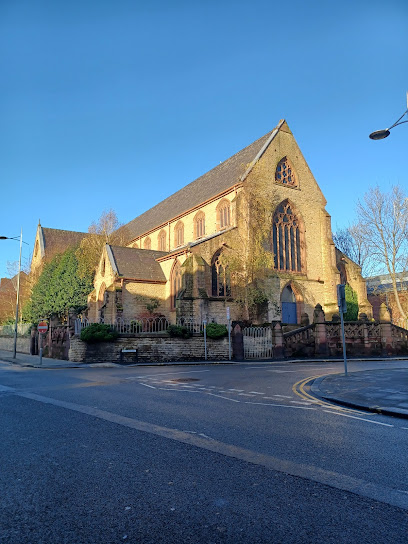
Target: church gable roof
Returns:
[57, 241]
[137, 264]
[221, 178]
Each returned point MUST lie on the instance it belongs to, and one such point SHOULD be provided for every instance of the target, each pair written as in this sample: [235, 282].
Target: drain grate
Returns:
[185, 380]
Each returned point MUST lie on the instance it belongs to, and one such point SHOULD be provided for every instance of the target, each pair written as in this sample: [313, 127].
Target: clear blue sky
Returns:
[117, 104]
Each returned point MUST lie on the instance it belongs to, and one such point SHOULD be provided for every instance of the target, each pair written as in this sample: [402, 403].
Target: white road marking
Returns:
[359, 418]
[150, 386]
[280, 405]
[282, 396]
[300, 402]
[180, 390]
[280, 371]
[237, 390]
[256, 393]
[166, 374]
[405, 428]
[5, 389]
[245, 395]
[221, 397]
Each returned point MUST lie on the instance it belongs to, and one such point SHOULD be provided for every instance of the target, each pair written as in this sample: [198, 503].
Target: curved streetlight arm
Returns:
[397, 122]
[384, 133]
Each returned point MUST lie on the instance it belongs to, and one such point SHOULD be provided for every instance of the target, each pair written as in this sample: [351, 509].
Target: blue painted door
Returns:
[289, 312]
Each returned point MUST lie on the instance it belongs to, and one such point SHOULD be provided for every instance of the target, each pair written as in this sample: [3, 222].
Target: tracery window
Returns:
[223, 214]
[176, 284]
[147, 244]
[287, 234]
[179, 234]
[199, 225]
[221, 284]
[285, 174]
[161, 241]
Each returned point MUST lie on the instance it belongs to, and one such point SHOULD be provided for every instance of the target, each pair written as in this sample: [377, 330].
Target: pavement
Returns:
[382, 391]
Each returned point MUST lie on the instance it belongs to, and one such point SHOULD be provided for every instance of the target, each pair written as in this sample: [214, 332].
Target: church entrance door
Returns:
[289, 314]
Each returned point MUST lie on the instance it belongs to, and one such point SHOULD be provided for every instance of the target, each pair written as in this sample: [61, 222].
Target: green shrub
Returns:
[179, 332]
[214, 330]
[98, 332]
[352, 304]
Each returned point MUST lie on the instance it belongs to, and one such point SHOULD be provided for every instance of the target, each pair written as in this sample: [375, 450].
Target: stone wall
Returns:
[157, 348]
[23, 343]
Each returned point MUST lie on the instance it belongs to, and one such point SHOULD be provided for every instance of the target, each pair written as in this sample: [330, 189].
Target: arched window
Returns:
[285, 174]
[223, 215]
[176, 284]
[135, 245]
[103, 267]
[147, 244]
[161, 241]
[179, 234]
[221, 285]
[287, 235]
[199, 225]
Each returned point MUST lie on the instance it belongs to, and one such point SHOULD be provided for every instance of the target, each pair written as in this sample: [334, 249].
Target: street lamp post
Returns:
[381, 134]
[18, 288]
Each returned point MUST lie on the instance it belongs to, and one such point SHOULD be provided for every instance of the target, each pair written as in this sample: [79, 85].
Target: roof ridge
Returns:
[217, 180]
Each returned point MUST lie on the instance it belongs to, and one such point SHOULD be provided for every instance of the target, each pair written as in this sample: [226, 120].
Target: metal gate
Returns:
[257, 342]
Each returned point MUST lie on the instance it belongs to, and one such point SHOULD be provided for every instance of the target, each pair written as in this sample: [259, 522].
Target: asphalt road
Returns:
[203, 454]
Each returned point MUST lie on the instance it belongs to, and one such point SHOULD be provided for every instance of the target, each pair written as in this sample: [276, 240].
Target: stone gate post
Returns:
[321, 347]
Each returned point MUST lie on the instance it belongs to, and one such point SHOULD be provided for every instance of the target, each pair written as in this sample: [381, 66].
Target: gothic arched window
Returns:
[199, 225]
[176, 284]
[161, 240]
[287, 234]
[147, 244]
[285, 174]
[179, 234]
[221, 285]
[223, 214]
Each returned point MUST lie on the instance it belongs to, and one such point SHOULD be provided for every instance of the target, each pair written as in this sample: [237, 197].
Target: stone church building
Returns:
[174, 250]
[173, 264]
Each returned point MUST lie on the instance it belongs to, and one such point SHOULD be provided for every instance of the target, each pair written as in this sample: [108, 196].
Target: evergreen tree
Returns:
[59, 288]
[352, 304]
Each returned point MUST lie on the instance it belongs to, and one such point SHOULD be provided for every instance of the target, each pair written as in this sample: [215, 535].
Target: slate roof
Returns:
[219, 179]
[138, 264]
[383, 283]
[57, 241]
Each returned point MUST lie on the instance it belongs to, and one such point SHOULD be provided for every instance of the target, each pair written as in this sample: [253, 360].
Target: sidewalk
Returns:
[33, 361]
[24, 359]
[381, 391]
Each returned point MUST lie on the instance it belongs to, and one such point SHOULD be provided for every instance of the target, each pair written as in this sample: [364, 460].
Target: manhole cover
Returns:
[185, 380]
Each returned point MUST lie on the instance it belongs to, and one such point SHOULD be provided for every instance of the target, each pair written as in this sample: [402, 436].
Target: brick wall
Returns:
[160, 348]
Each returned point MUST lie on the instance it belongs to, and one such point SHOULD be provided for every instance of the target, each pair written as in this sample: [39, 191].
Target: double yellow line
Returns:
[299, 389]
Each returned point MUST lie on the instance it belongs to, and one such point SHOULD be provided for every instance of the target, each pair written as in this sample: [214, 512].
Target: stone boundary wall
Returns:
[160, 348]
[23, 343]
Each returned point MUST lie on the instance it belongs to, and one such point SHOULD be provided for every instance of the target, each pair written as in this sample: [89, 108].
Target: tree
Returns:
[352, 304]
[107, 230]
[352, 241]
[59, 288]
[383, 218]
[250, 262]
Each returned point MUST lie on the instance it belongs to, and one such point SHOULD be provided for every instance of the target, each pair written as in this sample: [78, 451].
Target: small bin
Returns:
[128, 356]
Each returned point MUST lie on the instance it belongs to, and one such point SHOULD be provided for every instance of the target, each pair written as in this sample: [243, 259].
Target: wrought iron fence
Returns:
[152, 325]
[257, 342]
